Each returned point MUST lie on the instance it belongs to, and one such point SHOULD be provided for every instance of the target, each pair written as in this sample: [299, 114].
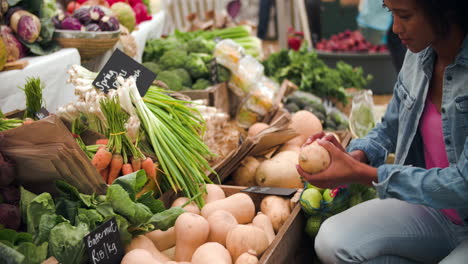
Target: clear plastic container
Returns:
[249, 73]
[228, 53]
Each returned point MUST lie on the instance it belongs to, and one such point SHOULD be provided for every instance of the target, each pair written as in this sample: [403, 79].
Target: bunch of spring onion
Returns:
[174, 130]
[6, 123]
[33, 92]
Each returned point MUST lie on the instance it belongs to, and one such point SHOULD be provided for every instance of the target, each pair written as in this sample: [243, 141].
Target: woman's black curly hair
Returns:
[443, 13]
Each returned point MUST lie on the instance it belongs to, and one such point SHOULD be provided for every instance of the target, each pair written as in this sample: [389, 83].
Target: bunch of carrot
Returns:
[117, 155]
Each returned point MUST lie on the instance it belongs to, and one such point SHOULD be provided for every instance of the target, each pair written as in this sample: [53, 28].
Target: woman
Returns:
[422, 213]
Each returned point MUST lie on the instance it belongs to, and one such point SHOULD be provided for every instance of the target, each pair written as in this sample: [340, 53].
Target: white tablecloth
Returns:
[51, 69]
[149, 29]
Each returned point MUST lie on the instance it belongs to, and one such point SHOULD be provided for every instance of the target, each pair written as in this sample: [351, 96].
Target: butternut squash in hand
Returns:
[162, 240]
[240, 205]
[191, 232]
[221, 222]
[140, 256]
[213, 193]
[249, 257]
[191, 207]
[263, 222]
[142, 242]
[277, 209]
[211, 253]
[279, 171]
[243, 238]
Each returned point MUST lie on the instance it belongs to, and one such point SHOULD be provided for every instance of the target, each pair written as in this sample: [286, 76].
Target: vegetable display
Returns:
[171, 130]
[87, 18]
[56, 227]
[349, 41]
[310, 73]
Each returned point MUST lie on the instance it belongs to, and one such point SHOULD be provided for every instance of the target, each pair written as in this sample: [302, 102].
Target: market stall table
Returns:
[146, 30]
[51, 69]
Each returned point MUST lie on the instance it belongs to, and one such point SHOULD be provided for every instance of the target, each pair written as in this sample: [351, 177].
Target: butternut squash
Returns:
[143, 242]
[277, 209]
[240, 205]
[170, 252]
[162, 240]
[305, 124]
[213, 193]
[245, 174]
[256, 128]
[221, 222]
[249, 257]
[191, 232]
[211, 253]
[191, 207]
[243, 238]
[140, 256]
[263, 222]
[279, 171]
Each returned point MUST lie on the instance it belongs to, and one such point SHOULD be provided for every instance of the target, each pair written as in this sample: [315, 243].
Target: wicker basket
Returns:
[89, 44]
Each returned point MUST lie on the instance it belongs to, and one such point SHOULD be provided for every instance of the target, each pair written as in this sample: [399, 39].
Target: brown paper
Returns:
[45, 151]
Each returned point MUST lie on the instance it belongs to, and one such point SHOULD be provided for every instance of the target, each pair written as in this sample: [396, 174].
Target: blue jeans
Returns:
[391, 231]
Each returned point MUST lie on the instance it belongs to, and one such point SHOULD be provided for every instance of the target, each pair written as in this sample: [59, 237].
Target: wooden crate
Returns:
[216, 96]
[288, 241]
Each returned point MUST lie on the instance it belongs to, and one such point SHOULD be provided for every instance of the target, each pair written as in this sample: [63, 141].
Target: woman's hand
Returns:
[343, 168]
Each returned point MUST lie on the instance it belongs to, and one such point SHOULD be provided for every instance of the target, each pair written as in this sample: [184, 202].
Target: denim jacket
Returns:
[407, 179]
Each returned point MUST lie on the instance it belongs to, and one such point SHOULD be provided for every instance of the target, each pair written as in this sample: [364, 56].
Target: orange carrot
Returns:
[127, 169]
[28, 121]
[148, 166]
[102, 141]
[102, 159]
[115, 167]
[136, 164]
[105, 174]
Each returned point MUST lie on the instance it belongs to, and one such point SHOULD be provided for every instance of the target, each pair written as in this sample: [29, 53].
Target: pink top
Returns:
[434, 147]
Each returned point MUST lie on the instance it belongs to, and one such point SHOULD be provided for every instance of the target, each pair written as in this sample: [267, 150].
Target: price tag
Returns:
[270, 190]
[119, 64]
[103, 245]
[42, 113]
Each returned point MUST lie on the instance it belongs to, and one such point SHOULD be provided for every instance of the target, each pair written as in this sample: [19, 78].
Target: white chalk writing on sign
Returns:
[111, 76]
[106, 250]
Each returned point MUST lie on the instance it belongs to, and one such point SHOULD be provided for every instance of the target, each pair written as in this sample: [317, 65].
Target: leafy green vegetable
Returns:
[9, 255]
[173, 59]
[200, 45]
[46, 223]
[311, 74]
[171, 79]
[42, 204]
[166, 219]
[156, 206]
[184, 76]
[132, 183]
[152, 66]
[66, 242]
[121, 202]
[33, 254]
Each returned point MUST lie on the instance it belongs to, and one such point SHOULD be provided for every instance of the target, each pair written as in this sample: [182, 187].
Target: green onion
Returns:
[33, 91]
[6, 124]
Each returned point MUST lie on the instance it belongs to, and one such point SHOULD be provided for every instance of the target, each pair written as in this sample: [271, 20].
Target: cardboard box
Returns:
[287, 241]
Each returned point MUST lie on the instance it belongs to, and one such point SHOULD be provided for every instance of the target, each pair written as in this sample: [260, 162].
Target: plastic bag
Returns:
[338, 203]
[228, 53]
[361, 118]
[248, 73]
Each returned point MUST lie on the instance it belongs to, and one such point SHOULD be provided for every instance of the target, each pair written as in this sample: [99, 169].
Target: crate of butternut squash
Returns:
[232, 227]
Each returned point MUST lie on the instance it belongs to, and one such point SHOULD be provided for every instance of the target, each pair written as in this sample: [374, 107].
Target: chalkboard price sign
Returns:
[119, 64]
[103, 245]
[270, 190]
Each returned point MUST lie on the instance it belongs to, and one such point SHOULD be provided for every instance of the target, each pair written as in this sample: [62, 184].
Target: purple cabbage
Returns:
[109, 23]
[93, 27]
[57, 22]
[70, 23]
[15, 50]
[96, 13]
[83, 15]
[10, 194]
[10, 216]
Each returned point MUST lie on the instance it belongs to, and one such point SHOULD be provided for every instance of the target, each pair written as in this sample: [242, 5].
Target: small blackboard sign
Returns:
[103, 244]
[270, 190]
[121, 64]
[42, 113]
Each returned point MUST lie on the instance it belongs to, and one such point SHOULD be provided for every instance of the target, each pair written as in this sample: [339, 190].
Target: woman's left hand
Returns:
[343, 169]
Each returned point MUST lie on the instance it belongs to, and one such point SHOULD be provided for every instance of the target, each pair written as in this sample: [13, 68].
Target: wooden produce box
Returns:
[216, 96]
[287, 247]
